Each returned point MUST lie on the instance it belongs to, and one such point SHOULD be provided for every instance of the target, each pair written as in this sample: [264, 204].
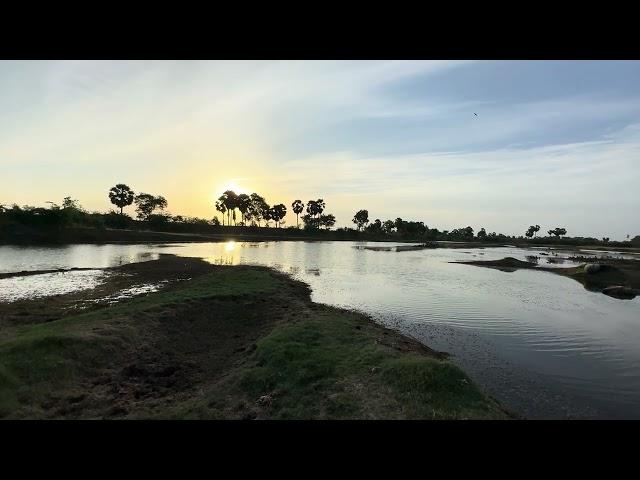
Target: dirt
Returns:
[508, 264]
[171, 269]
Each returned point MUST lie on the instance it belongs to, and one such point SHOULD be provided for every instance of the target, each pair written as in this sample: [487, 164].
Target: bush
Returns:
[116, 220]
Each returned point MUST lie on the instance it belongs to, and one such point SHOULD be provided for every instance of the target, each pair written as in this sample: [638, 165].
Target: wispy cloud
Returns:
[397, 137]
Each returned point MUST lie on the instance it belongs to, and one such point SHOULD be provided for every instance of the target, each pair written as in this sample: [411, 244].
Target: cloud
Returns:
[508, 187]
[384, 135]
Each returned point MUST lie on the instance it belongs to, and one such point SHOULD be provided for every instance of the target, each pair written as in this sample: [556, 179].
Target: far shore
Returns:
[82, 235]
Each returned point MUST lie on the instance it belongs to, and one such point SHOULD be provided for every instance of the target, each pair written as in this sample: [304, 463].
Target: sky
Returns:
[554, 143]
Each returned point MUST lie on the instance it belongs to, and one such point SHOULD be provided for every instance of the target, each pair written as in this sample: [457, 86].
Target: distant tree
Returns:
[121, 196]
[558, 232]
[482, 234]
[298, 207]
[221, 208]
[215, 221]
[311, 208]
[243, 203]
[147, 203]
[277, 213]
[361, 218]
[375, 226]
[258, 208]
[327, 221]
[532, 230]
[605, 239]
[310, 222]
[315, 209]
[399, 224]
[388, 226]
[266, 216]
[69, 203]
[230, 201]
[466, 232]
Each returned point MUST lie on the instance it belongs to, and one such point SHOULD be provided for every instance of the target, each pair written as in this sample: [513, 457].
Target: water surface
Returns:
[538, 342]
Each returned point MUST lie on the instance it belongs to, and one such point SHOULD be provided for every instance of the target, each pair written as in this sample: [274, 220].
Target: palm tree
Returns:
[243, 205]
[266, 215]
[277, 213]
[298, 207]
[315, 208]
[121, 196]
[257, 207]
[230, 200]
[221, 208]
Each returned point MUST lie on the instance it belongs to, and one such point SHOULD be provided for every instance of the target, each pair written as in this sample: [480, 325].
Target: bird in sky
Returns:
[475, 114]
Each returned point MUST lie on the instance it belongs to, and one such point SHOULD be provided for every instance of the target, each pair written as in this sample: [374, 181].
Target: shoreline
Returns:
[617, 278]
[81, 235]
[223, 342]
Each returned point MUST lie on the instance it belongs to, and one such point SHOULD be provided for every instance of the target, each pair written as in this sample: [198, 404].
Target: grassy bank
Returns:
[220, 343]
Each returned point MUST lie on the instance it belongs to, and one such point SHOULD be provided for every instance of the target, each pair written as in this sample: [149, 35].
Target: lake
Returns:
[540, 343]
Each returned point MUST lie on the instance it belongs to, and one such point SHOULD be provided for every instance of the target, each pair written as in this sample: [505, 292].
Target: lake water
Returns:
[538, 342]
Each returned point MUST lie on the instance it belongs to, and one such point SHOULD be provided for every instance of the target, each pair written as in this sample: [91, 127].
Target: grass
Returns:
[239, 342]
[326, 368]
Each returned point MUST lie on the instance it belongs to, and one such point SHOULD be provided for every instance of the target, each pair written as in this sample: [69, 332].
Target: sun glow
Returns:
[232, 185]
[230, 246]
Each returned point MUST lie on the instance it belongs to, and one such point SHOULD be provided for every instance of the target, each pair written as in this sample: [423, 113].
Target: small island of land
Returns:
[616, 277]
[217, 342]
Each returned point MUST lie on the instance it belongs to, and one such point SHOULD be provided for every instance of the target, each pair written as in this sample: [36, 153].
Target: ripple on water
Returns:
[528, 337]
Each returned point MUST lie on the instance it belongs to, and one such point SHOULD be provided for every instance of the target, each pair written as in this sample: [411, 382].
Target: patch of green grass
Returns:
[324, 367]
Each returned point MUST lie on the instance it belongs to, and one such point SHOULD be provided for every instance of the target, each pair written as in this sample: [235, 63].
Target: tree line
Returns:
[250, 211]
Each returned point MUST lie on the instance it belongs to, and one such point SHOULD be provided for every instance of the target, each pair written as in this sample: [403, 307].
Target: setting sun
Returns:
[232, 185]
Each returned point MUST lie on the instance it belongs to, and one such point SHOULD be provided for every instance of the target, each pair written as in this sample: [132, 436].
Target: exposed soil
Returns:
[149, 360]
[170, 270]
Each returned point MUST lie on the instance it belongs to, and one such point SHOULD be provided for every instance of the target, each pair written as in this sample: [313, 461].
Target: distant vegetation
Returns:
[252, 214]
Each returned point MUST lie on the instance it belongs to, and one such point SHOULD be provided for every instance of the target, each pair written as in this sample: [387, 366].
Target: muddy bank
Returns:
[26, 273]
[164, 273]
[426, 246]
[618, 278]
[218, 342]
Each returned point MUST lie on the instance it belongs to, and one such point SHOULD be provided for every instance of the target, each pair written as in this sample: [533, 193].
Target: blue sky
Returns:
[554, 143]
